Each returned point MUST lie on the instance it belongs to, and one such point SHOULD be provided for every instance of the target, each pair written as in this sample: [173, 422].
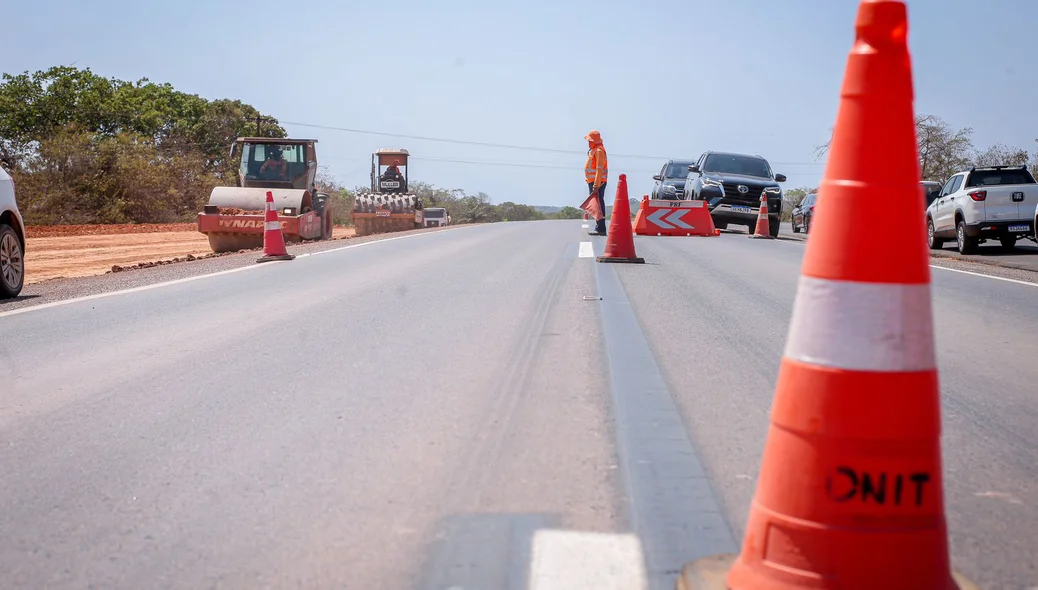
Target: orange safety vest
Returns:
[602, 168]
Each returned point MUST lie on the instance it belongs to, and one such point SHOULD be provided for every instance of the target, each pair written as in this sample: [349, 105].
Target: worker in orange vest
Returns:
[596, 173]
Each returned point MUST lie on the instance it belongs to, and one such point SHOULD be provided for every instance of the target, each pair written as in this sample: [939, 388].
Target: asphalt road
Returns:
[482, 407]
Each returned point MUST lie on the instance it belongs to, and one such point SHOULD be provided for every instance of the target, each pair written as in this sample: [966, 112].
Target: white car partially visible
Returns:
[12, 240]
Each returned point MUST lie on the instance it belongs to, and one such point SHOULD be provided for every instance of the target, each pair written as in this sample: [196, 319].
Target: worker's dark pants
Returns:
[600, 225]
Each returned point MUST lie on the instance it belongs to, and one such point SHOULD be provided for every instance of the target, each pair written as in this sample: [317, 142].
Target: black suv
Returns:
[670, 182]
[732, 184]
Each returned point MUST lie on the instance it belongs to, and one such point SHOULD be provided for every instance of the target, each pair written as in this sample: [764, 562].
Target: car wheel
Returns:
[934, 242]
[12, 263]
[793, 226]
[1008, 242]
[966, 244]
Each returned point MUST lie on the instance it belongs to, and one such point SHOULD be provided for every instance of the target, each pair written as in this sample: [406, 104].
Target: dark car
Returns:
[732, 185]
[803, 213]
[932, 190]
[670, 182]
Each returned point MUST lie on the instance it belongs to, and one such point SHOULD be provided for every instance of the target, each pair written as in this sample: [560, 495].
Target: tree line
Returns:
[85, 149]
[943, 151]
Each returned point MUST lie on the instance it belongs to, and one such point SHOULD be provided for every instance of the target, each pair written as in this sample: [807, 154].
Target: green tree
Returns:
[92, 149]
[568, 212]
[943, 151]
[1001, 154]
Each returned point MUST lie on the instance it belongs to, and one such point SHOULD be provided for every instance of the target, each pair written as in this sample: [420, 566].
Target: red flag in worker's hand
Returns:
[593, 209]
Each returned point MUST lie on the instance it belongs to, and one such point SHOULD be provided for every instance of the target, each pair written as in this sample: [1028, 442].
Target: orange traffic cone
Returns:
[763, 229]
[620, 240]
[273, 240]
[639, 218]
[584, 225]
[850, 493]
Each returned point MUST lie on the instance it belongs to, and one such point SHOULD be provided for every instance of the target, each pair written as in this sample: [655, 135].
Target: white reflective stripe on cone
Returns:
[272, 225]
[883, 327]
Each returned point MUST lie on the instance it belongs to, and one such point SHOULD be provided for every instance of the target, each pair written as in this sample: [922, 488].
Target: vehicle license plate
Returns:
[741, 209]
[1019, 227]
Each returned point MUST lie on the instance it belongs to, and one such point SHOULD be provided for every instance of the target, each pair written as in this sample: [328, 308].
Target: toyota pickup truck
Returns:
[983, 203]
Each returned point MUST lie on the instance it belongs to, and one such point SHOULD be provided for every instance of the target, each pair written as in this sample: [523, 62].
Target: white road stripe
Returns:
[565, 560]
[862, 326]
[980, 274]
[203, 276]
[586, 250]
[965, 272]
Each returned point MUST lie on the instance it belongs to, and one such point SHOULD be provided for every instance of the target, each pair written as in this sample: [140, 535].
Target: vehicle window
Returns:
[947, 186]
[956, 183]
[999, 177]
[433, 214]
[734, 164]
[676, 170]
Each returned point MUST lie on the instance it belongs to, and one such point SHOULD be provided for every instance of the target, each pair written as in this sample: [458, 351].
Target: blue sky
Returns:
[664, 78]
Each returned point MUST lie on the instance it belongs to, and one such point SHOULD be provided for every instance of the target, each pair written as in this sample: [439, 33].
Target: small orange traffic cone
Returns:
[639, 218]
[850, 491]
[273, 240]
[620, 240]
[584, 225]
[763, 229]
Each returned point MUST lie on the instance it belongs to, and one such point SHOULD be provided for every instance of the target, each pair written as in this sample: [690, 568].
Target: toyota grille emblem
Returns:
[743, 189]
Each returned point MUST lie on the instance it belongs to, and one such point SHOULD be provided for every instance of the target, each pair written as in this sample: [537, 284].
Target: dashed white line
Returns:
[564, 560]
[586, 250]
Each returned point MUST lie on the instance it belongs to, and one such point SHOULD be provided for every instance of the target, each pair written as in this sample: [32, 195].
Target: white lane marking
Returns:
[564, 560]
[198, 277]
[980, 274]
[862, 326]
[586, 250]
[965, 272]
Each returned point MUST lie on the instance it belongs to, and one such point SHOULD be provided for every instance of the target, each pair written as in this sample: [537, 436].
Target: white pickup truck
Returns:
[992, 202]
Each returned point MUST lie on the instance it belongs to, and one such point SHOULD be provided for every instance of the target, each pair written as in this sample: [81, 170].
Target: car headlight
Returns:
[773, 190]
[668, 188]
[712, 182]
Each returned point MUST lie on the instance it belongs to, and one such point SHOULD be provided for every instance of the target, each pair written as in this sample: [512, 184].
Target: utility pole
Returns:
[261, 119]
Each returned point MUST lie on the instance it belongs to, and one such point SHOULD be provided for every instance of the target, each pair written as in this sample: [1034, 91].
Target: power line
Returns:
[498, 145]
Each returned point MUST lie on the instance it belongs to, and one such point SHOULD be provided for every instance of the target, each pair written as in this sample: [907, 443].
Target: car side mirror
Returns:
[693, 168]
[657, 177]
[780, 178]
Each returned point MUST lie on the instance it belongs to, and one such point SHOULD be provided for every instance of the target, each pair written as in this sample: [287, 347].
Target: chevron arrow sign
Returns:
[669, 219]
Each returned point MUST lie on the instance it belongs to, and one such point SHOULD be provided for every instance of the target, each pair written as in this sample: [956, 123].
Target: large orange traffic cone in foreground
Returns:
[763, 229]
[850, 493]
[273, 240]
[620, 240]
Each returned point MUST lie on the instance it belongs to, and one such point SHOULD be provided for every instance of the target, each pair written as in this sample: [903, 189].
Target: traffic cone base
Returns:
[711, 573]
[620, 241]
[277, 257]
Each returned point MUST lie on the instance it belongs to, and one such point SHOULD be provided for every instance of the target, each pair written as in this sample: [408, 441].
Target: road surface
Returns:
[477, 407]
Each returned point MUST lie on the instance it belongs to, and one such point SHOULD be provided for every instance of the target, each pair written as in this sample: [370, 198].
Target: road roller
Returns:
[389, 207]
[287, 168]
